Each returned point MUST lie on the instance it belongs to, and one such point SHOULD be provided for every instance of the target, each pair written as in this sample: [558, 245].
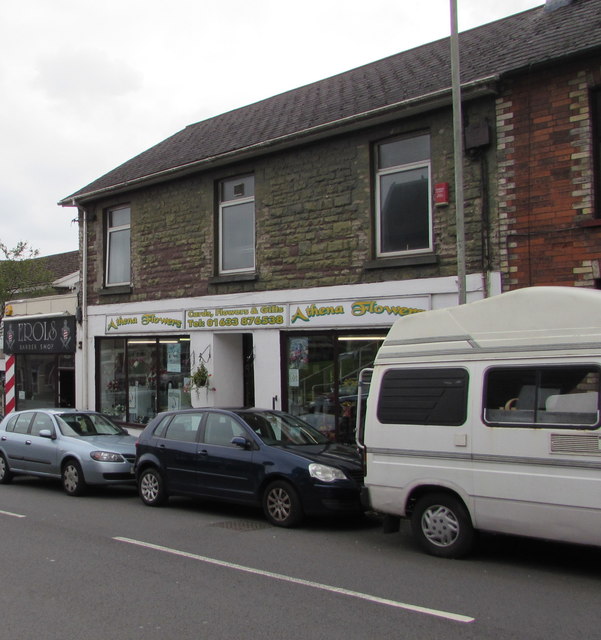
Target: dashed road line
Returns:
[13, 515]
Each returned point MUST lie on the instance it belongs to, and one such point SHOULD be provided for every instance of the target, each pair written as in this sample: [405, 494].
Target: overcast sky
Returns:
[86, 85]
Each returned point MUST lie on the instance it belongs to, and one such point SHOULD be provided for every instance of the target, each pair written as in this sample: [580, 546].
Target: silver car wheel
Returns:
[149, 487]
[278, 504]
[282, 505]
[440, 525]
[74, 483]
[5, 473]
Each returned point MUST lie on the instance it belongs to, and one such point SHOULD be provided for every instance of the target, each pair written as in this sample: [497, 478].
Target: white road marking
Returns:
[456, 617]
[14, 515]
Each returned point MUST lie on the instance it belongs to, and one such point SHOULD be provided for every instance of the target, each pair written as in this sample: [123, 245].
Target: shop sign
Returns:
[357, 312]
[39, 335]
[265, 316]
[145, 323]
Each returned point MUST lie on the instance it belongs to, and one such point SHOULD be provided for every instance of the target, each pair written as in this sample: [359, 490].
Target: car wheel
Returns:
[73, 479]
[151, 487]
[6, 475]
[442, 526]
[281, 504]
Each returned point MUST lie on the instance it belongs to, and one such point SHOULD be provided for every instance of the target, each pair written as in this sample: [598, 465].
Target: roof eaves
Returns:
[436, 99]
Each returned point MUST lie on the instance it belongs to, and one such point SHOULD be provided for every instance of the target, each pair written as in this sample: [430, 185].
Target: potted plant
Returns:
[200, 378]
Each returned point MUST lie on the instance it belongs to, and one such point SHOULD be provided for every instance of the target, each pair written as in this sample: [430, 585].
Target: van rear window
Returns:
[423, 396]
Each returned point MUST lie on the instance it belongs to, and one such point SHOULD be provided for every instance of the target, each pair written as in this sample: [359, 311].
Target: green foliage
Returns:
[22, 274]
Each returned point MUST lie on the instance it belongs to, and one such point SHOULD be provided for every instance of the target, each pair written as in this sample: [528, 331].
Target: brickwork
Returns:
[549, 232]
[314, 221]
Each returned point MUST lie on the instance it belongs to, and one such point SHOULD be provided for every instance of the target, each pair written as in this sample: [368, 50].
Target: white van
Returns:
[486, 417]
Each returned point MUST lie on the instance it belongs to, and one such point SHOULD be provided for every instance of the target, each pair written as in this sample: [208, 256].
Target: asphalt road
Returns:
[107, 567]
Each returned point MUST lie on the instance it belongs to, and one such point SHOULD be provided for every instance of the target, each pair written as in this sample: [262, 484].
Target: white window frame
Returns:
[223, 206]
[402, 168]
[110, 231]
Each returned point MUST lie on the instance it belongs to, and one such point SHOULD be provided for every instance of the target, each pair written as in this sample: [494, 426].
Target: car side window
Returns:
[22, 423]
[221, 428]
[41, 421]
[10, 425]
[184, 427]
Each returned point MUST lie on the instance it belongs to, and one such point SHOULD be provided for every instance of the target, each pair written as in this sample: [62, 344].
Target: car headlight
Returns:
[106, 456]
[324, 473]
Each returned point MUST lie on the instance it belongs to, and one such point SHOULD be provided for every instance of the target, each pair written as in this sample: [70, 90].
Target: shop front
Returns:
[41, 355]
[299, 351]
[141, 376]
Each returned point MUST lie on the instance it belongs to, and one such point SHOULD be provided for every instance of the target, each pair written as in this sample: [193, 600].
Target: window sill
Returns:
[595, 222]
[407, 261]
[115, 291]
[234, 277]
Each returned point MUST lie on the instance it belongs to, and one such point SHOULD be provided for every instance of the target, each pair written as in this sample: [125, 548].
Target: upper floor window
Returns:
[118, 250]
[237, 225]
[404, 215]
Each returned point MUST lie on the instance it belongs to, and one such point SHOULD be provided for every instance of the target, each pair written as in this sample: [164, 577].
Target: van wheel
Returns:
[442, 526]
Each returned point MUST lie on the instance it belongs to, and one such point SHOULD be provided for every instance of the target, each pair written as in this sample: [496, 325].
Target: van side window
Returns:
[423, 396]
[542, 396]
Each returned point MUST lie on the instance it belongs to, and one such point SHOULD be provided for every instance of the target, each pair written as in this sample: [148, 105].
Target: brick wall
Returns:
[549, 232]
[314, 220]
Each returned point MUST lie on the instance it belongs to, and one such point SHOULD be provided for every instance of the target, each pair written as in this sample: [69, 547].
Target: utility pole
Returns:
[458, 154]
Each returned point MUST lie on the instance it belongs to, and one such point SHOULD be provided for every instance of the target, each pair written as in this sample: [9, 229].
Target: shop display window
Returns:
[140, 377]
[322, 379]
[44, 381]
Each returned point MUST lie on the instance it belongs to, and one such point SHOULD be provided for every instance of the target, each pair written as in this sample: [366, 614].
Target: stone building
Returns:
[272, 246]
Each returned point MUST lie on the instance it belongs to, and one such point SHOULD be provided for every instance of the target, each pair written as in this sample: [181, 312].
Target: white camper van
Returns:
[486, 417]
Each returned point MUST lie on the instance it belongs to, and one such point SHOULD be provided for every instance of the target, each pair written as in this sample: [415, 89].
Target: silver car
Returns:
[80, 447]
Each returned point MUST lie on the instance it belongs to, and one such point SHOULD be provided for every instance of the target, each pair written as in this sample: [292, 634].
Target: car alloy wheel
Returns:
[151, 487]
[282, 505]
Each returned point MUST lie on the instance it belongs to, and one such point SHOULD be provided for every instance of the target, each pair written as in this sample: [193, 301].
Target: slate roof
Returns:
[61, 264]
[509, 45]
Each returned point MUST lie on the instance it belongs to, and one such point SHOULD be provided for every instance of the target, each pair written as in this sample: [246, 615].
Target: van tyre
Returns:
[151, 487]
[281, 504]
[6, 475]
[442, 526]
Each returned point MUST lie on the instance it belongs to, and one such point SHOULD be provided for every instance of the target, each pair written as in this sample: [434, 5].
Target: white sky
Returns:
[86, 85]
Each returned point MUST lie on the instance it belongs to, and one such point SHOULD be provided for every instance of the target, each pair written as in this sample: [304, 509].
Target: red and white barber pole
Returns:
[9, 385]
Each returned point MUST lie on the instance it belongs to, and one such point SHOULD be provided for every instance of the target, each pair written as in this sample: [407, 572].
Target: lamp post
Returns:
[458, 155]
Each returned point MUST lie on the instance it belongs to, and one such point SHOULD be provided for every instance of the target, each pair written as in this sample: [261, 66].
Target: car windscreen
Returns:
[281, 429]
[87, 424]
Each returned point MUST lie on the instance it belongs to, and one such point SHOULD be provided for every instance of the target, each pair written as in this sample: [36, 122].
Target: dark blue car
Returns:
[248, 456]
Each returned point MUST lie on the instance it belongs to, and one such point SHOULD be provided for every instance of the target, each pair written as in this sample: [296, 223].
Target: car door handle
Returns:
[203, 452]
[3, 438]
[27, 441]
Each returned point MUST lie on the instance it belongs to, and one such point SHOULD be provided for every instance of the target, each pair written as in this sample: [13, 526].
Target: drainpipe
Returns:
[84, 304]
